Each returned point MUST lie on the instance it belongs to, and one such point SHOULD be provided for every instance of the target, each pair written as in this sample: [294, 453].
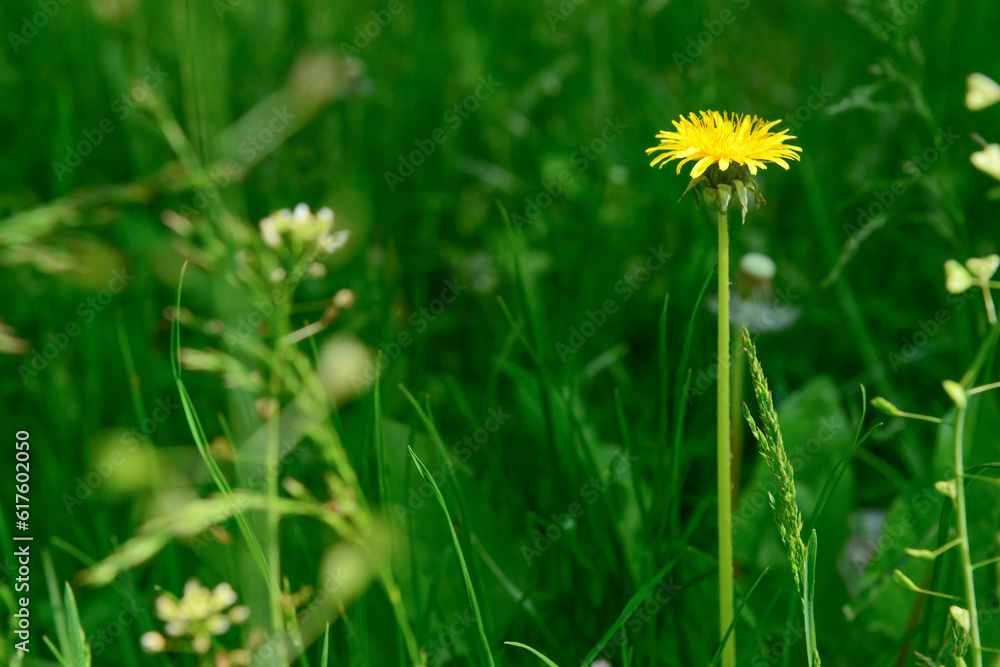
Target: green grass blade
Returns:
[324, 656]
[201, 441]
[680, 413]
[428, 422]
[58, 610]
[79, 653]
[380, 468]
[428, 477]
[736, 618]
[528, 648]
[627, 442]
[838, 471]
[664, 404]
[632, 605]
[809, 599]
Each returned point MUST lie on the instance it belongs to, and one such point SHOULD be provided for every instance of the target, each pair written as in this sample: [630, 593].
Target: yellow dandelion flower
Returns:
[711, 138]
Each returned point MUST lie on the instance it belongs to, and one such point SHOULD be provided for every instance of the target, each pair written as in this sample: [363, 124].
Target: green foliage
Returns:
[602, 471]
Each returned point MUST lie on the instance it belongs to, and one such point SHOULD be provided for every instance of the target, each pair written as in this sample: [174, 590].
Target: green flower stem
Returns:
[963, 536]
[724, 464]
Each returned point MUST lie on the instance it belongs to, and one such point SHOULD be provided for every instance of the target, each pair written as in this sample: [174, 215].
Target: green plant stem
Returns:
[963, 536]
[723, 449]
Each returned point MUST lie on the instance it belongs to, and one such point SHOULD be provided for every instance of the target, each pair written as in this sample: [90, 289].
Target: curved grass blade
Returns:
[838, 471]
[680, 413]
[540, 655]
[426, 474]
[632, 605]
[809, 599]
[201, 441]
[736, 618]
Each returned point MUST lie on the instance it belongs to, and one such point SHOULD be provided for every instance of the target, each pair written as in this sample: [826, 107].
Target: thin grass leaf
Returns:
[428, 477]
[809, 600]
[428, 422]
[736, 618]
[661, 344]
[78, 654]
[632, 605]
[52, 647]
[539, 655]
[58, 610]
[627, 442]
[324, 656]
[201, 441]
[838, 471]
[681, 385]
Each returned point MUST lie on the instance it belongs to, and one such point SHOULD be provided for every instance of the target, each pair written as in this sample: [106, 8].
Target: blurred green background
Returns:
[414, 122]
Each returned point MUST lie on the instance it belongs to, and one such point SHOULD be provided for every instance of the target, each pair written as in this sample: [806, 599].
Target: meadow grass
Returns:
[481, 431]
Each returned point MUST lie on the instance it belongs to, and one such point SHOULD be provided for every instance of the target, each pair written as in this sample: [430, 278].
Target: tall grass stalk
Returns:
[724, 462]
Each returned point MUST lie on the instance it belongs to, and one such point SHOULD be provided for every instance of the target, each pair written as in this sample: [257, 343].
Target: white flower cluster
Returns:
[198, 615]
[303, 228]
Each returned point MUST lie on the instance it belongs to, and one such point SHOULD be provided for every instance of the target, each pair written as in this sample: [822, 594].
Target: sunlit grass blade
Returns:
[78, 654]
[58, 610]
[538, 654]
